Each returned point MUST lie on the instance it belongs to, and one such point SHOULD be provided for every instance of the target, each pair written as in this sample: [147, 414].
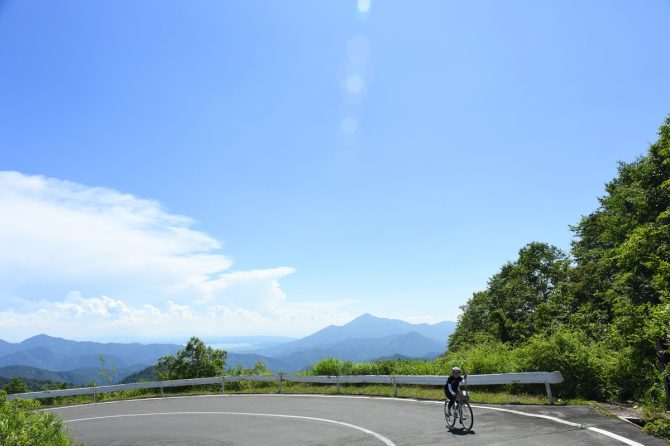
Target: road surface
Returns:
[336, 420]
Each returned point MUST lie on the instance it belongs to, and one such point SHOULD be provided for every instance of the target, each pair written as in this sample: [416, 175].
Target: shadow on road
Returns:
[460, 431]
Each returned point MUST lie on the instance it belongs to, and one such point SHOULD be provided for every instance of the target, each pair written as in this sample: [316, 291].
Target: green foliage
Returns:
[259, 368]
[485, 358]
[597, 316]
[195, 360]
[108, 374]
[337, 367]
[584, 364]
[526, 296]
[22, 425]
[331, 367]
[147, 374]
[16, 385]
[659, 427]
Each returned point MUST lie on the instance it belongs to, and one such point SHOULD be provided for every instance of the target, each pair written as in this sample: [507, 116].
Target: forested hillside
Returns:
[601, 313]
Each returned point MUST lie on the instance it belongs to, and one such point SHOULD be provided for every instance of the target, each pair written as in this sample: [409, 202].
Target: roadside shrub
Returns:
[364, 368]
[328, 367]
[584, 365]
[659, 427]
[386, 367]
[488, 357]
[22, 425]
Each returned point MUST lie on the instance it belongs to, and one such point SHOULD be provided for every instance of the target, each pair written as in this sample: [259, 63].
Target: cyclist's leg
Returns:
[452, 399]
[448, 411]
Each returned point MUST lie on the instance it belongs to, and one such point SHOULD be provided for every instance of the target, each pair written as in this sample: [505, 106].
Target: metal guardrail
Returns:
[546, 378]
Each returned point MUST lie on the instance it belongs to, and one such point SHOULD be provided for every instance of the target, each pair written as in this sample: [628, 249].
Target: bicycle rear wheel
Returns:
[467, 418]
[450, 418]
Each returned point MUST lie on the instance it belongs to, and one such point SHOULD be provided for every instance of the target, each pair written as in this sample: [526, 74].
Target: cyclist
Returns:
[451, 386]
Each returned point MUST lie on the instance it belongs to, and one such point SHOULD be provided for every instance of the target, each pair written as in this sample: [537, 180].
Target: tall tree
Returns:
[527, 295]
[195, 360]
[622, 253]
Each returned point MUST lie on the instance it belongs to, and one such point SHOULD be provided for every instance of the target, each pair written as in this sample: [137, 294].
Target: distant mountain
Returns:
[134, 353]
[35, 374]
[44, 358]
[366, 338]
[6, 348]
[366, 326]
[75, 377]
[57, 354]
[247, 360]
[408, 345]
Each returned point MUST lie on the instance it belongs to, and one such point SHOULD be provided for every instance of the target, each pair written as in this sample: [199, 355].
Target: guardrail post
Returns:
[395, 387]
[223, 384]
[337, 379]
[160, 384]
[281, 378]
[549, 395]
[94, 392]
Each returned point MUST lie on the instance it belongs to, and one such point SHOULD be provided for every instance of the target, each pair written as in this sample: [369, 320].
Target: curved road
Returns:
[335, 420]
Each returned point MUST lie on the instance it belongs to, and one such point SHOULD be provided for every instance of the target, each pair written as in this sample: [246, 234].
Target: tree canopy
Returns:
[195, 360]
[612, 292]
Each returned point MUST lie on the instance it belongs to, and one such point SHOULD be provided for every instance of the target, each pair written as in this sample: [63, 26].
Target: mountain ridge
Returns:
[364, 326]
[365, 338]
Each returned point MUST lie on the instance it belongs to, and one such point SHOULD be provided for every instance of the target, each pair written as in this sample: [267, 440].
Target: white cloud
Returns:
[146, 272]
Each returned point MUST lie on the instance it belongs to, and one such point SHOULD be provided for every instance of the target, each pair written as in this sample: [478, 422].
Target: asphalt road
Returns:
[336, 420]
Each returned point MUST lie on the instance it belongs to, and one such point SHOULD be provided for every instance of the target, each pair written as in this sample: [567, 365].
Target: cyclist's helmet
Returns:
[456, 371]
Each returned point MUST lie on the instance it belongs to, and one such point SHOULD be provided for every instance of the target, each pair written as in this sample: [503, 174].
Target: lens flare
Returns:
[358, 51]
[355, 84]
[349, 125]
[364, 6]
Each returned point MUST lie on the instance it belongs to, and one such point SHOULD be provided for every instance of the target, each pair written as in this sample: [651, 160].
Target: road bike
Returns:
[461, 410]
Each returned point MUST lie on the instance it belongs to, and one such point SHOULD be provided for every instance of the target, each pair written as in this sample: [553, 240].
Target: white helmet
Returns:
[456, 370]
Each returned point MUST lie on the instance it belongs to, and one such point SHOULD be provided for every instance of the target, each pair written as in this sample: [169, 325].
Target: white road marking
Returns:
[525, 414]
[569, 423]
[625, 440]
[380, 437]
[616, 437]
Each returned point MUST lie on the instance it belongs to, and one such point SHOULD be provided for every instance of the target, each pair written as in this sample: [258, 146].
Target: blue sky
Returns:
[256, 167]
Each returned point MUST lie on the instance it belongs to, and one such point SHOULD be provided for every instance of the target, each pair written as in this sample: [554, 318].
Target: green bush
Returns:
[490, 357]
[329, 367]
[22, 425]
[660, 427]
[584, 365]
[364, 368]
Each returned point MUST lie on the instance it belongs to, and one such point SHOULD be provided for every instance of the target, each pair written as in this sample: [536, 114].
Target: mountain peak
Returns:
[42, 338]
[365, 317]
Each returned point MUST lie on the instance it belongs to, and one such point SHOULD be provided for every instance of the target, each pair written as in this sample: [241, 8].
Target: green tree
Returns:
[195, 360]
[16, 385]
[526, 296]
[622, 273]
[107, 374]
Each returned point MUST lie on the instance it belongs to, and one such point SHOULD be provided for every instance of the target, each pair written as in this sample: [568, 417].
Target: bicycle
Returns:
[460, 409]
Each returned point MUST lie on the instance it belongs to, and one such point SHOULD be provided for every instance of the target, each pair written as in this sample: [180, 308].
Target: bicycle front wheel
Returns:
[467, 418]
[449, 417]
